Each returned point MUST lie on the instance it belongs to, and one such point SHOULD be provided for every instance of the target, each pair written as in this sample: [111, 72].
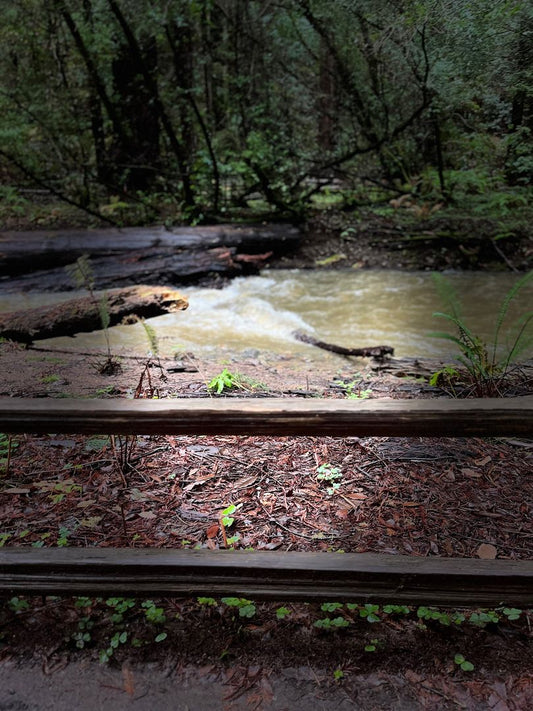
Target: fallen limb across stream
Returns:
[378, 352]
[83, 314]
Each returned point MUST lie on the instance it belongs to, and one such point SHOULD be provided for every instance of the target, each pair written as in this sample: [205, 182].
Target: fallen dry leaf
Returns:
[487, 551]
[213, 530]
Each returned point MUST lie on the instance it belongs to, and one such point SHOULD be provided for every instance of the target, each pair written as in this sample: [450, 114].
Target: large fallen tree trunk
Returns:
[84, 313]
[139, 267]
[175, 255]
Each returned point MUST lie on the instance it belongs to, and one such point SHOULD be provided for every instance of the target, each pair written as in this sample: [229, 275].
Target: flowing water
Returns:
[354, 309]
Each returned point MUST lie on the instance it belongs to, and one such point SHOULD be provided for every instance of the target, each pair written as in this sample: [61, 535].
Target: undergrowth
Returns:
[113, 628]
[487, 369]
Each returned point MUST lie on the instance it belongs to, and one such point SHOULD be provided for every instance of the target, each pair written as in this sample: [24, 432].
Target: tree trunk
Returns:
[84, 314]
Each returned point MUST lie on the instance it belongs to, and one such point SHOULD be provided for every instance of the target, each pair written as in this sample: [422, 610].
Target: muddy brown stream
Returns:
[350, 308]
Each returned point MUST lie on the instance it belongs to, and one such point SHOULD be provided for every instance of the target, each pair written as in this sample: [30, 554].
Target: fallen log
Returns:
[377, 352]
[136, 267]
[83, 314]
[25, 252]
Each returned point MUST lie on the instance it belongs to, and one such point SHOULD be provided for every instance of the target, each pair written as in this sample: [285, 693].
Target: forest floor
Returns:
[423, 497]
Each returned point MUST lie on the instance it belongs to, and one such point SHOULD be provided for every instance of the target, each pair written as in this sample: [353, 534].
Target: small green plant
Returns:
[49, 379]
[484, 618]
[338, 675]
[120, 606]
[370, 612]
[331, 606]
[246, 607]
[445, 377]
[62, 537]
[463, 663]
[432, 614]
[373, 645]
[223, 381]
[328, 623]
[512, 613]
[329, 474]
[486, 367]
[116, 640]
[16, 604]
[226, 380]
[7, 445]
[63, 488]
[282, 613]
[353, 390]
[396, 610]
[207, 601]
[83, 636]
[155, 615]
[82, 274]
[227, 517]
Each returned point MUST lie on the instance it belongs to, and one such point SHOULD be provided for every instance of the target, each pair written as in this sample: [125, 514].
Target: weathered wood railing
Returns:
[269, 575]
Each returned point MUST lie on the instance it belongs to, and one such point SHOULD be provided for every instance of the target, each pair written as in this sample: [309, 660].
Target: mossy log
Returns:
[84, 313]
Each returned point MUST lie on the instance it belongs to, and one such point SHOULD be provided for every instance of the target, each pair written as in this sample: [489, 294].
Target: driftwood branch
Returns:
[378, 352]
[83, 314]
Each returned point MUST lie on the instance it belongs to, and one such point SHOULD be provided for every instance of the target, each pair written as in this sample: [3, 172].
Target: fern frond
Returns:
[447, 294]
[103, 310]
[522, 340]
[509, 297]
[151, 336]
[81, 273]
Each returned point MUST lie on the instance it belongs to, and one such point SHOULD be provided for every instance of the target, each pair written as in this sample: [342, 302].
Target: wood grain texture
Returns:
[271, 416]
[267, 575]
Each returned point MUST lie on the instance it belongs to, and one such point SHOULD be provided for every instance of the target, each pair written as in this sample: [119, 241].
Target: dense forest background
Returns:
[140, 110]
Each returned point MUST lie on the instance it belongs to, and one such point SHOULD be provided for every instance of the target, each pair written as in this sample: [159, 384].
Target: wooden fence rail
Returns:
[269, 575]
[272, 416]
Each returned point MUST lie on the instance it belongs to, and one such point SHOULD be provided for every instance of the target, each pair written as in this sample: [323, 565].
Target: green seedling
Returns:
[116, 640]
[463, 663]
[370, 613]
[373, 645]
[512, 613]
[226, 380]
[246, 607]
[17, 605]
[282, 613]
[484, 618]
[207, 601]
[330, 606]
[227, 517]
[354, 391]
[329, 474]
[328, 623]
[49, 379]
[223, 381]
[153, 614]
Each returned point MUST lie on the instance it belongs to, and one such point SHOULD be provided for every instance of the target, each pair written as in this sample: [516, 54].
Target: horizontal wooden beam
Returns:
[272, 416]
[266, 575]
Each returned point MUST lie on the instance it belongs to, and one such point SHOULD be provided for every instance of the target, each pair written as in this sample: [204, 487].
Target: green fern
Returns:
[81, 273]
[487, 371]
[151, 336]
